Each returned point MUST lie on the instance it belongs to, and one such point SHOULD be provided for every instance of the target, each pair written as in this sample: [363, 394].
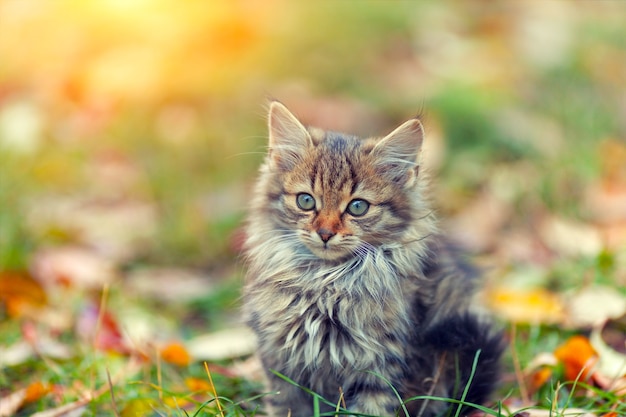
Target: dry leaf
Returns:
[21, 293]
[100, 328]
[525, 306]
[36, 390]
[538, 378]
[23, 350]
[9, 404]
[609, 340]
[224, 344]
[175, 353]
[578, 358]
[594, 305]
[570, 238]
[73, 409]
[198, 385]
[72, 266]
[539, 370]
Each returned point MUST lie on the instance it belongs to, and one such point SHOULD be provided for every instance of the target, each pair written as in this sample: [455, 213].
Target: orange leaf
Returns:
[175, 353]
[35, 391]
[198, 384]
[20, 292]
[578, 357]
[530, 306]
[539, 378]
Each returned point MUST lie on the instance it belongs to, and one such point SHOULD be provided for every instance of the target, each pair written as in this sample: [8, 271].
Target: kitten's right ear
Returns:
[397, 153]
[289, 139]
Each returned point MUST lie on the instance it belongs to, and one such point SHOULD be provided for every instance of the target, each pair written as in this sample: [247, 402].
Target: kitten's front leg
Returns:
[288, 400]
[371, 394]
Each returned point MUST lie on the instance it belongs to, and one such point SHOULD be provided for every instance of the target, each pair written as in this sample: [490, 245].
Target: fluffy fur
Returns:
[358, 301]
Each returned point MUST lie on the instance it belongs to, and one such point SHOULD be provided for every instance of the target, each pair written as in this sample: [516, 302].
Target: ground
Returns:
[130, 133]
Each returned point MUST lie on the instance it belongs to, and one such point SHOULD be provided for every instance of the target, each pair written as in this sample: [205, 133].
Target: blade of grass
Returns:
[217, 401]
[469, 382]
[113, 402]
[395, 391]
[305, 389]
[519, 375]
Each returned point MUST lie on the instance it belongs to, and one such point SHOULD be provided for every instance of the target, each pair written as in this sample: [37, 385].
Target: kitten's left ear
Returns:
[396, 154]
[289, 139]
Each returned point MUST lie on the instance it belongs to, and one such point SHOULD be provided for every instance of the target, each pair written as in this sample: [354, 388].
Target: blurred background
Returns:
[149, 115]
[131, 132]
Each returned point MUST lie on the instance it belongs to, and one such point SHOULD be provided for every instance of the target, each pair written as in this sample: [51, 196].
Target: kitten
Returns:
[350, 287]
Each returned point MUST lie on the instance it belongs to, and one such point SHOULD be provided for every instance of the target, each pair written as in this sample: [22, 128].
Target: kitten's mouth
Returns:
[329, 252]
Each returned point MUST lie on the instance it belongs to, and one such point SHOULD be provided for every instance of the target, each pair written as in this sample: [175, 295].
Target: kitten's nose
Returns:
[325, 234]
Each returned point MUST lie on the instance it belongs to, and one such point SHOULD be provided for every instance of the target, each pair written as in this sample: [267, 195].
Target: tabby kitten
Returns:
[351, 289]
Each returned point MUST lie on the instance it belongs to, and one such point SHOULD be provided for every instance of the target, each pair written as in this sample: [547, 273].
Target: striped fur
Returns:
[352, 303]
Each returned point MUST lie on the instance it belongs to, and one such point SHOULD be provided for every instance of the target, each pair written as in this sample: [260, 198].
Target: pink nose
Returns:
[325, 234]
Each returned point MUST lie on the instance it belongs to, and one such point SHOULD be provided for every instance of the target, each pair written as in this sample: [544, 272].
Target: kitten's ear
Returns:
[289, 139]
[396, 154]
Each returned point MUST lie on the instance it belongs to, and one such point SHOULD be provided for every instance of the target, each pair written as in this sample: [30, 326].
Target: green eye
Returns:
[358, 207]
[305, 201]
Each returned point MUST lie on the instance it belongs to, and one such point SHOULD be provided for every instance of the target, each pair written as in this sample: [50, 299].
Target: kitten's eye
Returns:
[358, 207]
[305, 201]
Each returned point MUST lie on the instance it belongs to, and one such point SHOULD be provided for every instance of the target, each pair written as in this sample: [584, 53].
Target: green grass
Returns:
[365, 53]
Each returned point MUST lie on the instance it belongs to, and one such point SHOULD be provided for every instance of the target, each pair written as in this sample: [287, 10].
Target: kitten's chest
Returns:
[337, 327]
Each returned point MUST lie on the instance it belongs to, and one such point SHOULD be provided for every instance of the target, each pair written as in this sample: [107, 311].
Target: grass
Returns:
[534, 132]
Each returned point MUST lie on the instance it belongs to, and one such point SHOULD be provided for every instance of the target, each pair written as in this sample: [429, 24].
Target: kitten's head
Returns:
[340, 194]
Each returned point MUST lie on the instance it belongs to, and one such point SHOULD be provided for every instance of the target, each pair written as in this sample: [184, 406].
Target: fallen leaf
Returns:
[175, 353]
[9, 404]
[525, 306]
[198, 385]
[593, 305]
[609, 340]
[72, 266]
[225, 344]
[73, 409]
[539, 370]
[570, 238]
[100, 328]
[23, 350]
[538, 378]
[36, 390]
[578, 358]
[21, 294]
